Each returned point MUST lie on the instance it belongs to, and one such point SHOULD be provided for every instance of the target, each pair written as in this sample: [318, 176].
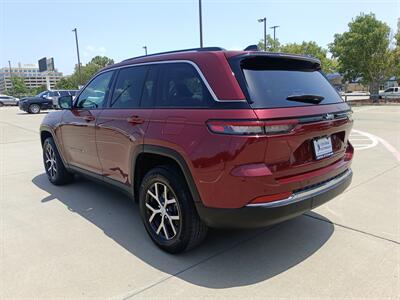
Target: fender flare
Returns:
[178, 158]
[48, 129]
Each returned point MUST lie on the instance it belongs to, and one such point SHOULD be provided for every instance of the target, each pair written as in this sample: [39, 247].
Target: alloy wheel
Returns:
[35, 108]
[50, 162]
[163, 211]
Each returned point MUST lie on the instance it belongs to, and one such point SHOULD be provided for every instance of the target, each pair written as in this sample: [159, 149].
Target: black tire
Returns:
[53, 164]
[34, 108]
[1, 104]
[189, 229]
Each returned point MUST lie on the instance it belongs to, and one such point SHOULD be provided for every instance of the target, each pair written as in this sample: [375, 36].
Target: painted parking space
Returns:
[362, 140]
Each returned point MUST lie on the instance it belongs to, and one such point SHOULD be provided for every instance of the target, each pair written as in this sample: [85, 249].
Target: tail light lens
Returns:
[349, 152]
[251, 127]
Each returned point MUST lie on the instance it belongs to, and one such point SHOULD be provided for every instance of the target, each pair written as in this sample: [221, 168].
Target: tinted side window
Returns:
[128, 87]
[181, 86]
[63, 93]
[95, 93]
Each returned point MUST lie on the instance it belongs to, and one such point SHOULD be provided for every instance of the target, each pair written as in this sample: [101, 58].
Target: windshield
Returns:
[42, 94]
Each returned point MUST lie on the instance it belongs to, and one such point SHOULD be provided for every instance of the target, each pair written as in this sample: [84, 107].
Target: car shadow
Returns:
[227, 258]
[39, 113]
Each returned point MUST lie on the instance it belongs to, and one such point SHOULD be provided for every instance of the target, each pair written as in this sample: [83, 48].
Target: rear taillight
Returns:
[348, 155]
[251, 127]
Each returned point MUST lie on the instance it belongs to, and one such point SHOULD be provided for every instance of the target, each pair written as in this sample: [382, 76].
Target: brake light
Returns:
[349, 152]
[251, 127]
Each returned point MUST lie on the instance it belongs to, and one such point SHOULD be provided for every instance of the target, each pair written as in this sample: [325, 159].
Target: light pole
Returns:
[201, 25]
[77, 52]
[145, 49]
[264, 20]
[9, 66]
[274, 28]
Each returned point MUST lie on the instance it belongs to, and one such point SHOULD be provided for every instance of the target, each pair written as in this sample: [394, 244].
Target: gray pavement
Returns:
[85, 240]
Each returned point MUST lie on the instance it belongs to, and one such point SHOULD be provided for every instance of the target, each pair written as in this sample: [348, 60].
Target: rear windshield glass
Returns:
[271, 88]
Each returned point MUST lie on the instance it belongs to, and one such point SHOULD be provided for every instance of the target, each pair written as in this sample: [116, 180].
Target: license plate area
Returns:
[322, 147]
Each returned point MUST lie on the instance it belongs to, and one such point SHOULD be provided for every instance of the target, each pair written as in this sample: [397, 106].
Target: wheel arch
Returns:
[46, 132]
[165, 155]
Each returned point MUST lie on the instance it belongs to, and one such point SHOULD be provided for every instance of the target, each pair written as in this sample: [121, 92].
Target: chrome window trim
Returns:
[200, 73]
[306, 194]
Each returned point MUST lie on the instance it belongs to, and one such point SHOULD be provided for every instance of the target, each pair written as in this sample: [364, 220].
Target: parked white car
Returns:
[8, 100]
[390, 93]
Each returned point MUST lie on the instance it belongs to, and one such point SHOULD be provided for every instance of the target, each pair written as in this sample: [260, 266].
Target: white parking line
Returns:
[362, 140]
[372, 141]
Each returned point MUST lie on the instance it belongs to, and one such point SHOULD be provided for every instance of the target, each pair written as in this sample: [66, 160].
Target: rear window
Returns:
[269, 85]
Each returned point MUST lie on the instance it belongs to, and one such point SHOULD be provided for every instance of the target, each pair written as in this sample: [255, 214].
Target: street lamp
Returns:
[145, 49]
[264, 20]
[201, 25]
[77, 52]
[9, 66]
[274, 28]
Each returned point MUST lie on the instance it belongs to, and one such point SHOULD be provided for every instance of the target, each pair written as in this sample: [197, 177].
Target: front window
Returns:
[128, 87]
[95, 93]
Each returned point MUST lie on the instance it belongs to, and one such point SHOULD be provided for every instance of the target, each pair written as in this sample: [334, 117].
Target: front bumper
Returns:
[265, 214]
[23, 106]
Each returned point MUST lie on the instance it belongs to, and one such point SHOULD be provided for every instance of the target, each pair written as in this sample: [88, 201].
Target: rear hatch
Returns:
[306, 121]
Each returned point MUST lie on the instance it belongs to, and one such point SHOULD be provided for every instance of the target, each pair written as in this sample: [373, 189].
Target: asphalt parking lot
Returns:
[85, 240]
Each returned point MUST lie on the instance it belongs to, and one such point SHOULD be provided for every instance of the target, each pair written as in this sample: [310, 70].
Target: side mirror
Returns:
[65, 102]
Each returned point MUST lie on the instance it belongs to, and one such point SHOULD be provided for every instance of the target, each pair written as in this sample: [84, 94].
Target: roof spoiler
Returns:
[252, 48]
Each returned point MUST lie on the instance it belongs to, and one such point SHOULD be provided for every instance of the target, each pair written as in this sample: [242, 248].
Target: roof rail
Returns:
[179, 51]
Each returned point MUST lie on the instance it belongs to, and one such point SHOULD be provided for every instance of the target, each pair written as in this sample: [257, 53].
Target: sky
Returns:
[30, 30]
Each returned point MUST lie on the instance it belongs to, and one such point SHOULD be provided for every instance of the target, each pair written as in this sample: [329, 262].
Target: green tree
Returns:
[87, 72]
[101, 61]
[272, 46]
[396, 53]
[66, 83]
[363, 51]
[312, 49]
[39, 89]
[19, 87]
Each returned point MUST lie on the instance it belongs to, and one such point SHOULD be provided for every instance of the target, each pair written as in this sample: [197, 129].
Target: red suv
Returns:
[206, 138]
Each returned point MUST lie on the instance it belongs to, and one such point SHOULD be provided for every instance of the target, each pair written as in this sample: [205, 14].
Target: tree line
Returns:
[366, 51]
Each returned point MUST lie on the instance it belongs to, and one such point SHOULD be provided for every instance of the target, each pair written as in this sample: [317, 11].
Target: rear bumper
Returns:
[261, 215]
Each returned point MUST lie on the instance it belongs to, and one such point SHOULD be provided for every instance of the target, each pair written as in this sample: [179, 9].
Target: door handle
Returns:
[89, 118]
[135, 120]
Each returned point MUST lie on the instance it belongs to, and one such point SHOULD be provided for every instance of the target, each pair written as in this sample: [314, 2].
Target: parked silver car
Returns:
[8, 100]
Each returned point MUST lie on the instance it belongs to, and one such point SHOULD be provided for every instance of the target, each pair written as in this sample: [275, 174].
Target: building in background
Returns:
[31, 75]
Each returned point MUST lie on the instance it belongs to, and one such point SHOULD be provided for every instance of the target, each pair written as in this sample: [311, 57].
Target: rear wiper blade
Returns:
[306, 98]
